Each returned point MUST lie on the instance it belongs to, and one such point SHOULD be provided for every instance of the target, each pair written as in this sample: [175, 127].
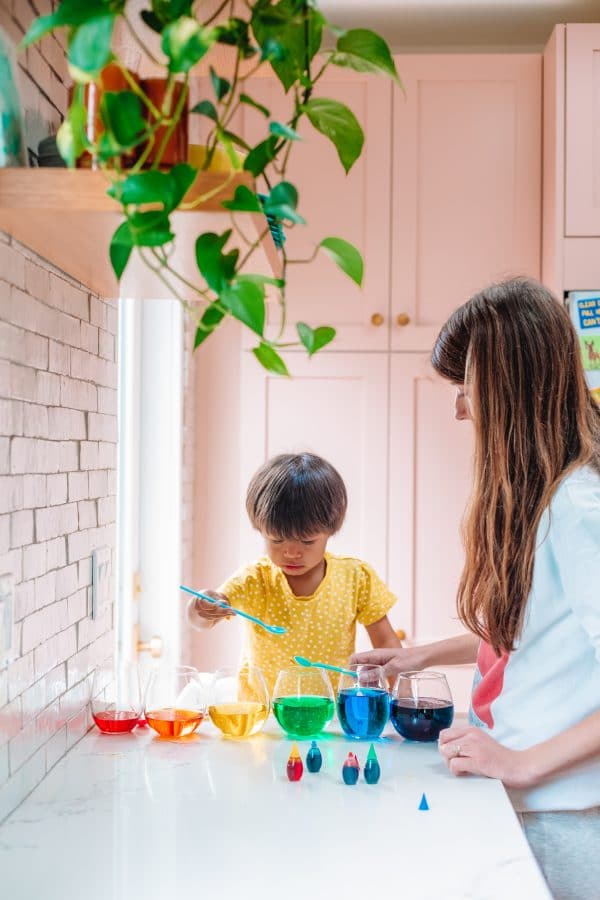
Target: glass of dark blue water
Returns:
[421, 705]
[363, 702]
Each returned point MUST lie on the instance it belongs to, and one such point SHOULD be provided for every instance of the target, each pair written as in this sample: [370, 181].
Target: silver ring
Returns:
[457, 750]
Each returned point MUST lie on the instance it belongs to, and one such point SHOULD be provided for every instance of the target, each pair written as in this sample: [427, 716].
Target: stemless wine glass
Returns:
[363, 702]
[116, 701]
[303, 701]
[421, 705]
[239, 703]
[175, 701]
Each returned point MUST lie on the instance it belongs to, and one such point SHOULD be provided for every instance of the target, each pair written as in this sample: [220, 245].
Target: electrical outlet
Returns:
[7, 602]
[100, 580]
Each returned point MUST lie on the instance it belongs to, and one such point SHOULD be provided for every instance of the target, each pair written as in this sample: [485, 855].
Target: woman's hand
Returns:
[393, 659]
[471, 751]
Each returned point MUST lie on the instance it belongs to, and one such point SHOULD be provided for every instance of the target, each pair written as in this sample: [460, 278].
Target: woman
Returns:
[530, 589]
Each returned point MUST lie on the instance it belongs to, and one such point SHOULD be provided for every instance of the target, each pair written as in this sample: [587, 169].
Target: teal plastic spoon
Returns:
[306, 662]
[272, 629]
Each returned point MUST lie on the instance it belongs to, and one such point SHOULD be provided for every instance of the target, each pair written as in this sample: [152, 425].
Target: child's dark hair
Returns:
[295, 495]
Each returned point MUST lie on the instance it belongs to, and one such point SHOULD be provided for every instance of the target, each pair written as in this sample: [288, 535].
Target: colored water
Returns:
[114, 721]
[174, 723]
[423, 720]
[239, 720]
[363, 712]
[303, 716]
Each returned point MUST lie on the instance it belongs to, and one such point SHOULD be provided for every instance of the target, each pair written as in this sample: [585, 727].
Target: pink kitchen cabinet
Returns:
[582, 131]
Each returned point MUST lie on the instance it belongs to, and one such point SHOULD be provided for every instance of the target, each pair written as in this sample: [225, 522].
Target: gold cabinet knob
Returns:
[377, 319]
[403, 319]
[153, 647]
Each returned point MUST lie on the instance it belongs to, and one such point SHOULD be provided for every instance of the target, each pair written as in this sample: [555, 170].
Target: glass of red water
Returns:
[116, 699]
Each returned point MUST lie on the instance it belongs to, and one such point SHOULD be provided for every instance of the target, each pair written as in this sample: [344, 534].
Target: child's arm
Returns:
[202, 614]
[382, 634]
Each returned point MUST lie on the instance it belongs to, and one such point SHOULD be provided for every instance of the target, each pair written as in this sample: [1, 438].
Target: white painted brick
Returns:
[37, 280]
[23, 347]
[78, 546]
[59, 358]
[77, 728]
[26, 312]
[12, 266]
[33, 700]
[98, 313]
[23, 384]
[107, 401]
[107, 455]
[88, 455]
[55, 521]
[11, 417]
[89, 338]
[88, 517]
[20, 676]
[70, 299]
[47, 388]
[107, 510]
[56, 748]
[98, 484]
[34, 491]
[45, 657]
[85, 572]
[29, 455]
[48, 721]
[87, 367]
[67, 581]
[102, 428]
[106, 345]
[77, 394]
[112, 319]
[23, 746]
[35, 420]
[56, 683]
[45, 590]
[56, 488]
[67, 643]
[4, 533]
[34, 561]
[24, 599]
[111, 487]
[80, 665]
[77, 607]
[88, 630]
[11, 720]
[68, 459]
[66, 424]
[4, 456]
[56, 553]
[78, 486]
[52, 53]
[23, 455]
[21, 528]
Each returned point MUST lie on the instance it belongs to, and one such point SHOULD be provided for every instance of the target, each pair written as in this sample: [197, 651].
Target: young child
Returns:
[297, 502]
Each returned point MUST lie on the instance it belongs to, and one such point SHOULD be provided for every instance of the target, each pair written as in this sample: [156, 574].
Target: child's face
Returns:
[297, 557]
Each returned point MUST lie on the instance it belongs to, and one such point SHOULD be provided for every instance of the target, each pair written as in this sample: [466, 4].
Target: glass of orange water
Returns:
[239, 703]
[175, 701]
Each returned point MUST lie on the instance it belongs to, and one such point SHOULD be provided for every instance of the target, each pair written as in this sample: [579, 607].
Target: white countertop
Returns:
[133, 816]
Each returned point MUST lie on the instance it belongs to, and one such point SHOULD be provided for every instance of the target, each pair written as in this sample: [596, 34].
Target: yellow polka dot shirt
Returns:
[321, 627]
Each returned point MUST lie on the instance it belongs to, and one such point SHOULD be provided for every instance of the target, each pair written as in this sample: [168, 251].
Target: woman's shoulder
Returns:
[579, 490]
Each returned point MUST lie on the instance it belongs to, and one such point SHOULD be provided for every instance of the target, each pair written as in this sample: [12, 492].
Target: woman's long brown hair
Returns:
[516, 351]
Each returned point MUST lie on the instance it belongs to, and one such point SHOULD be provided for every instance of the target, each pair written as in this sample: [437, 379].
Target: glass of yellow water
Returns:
[239, 704]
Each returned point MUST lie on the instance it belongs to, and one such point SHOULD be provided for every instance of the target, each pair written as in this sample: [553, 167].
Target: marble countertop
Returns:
[133, 816]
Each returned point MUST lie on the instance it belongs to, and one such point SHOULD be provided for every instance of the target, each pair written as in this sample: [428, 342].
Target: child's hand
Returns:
[211, 612]
[393, 659]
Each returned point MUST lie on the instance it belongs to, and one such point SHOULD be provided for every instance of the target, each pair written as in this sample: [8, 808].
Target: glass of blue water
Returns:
[363, 702]
[421, 705]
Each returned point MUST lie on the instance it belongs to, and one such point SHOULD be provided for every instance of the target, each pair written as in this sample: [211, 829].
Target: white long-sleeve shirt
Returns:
[551, 680]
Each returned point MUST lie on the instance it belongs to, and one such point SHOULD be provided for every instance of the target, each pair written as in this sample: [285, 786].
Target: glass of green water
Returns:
[303, 701]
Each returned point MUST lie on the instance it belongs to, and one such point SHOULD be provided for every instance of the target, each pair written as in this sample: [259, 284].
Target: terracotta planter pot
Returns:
[176, 149]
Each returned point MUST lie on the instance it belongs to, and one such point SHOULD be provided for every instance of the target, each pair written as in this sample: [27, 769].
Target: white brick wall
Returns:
[58, 432]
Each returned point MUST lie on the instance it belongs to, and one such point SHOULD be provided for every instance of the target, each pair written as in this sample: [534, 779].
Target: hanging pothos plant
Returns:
[287, 36]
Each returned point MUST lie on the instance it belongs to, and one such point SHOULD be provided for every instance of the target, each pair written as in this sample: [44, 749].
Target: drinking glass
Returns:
[421, 706]
[175, 701]
[239, 702]
[303, 701]
[363, 702]
[116, 701]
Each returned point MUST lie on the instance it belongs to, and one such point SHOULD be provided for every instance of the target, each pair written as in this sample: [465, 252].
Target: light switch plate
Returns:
[100, 580]
[7, 600]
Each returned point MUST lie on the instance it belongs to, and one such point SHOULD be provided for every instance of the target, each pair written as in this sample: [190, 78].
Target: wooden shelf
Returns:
[66, 216]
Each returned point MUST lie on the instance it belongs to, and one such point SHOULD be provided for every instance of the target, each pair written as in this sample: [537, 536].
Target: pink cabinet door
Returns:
[336, 405]
[466, 184]
[430, 460]
[354, 207]
[582, 174]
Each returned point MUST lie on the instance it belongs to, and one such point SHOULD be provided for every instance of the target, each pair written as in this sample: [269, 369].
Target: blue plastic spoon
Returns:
[272, 629]
[306, 662]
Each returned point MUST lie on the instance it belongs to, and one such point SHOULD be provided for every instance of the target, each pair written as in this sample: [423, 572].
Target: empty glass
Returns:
[175, 701]
[239, 703]
[303, 701]
[421, 706]
[116, 702]
[363, 702]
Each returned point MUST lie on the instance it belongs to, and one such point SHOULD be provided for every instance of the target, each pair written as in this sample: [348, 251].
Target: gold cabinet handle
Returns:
[403, 319]
[377, 320]
[153, 647]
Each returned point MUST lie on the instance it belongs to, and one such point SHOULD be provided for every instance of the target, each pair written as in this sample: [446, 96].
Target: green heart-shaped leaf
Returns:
[338, 123]
[346, 256]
